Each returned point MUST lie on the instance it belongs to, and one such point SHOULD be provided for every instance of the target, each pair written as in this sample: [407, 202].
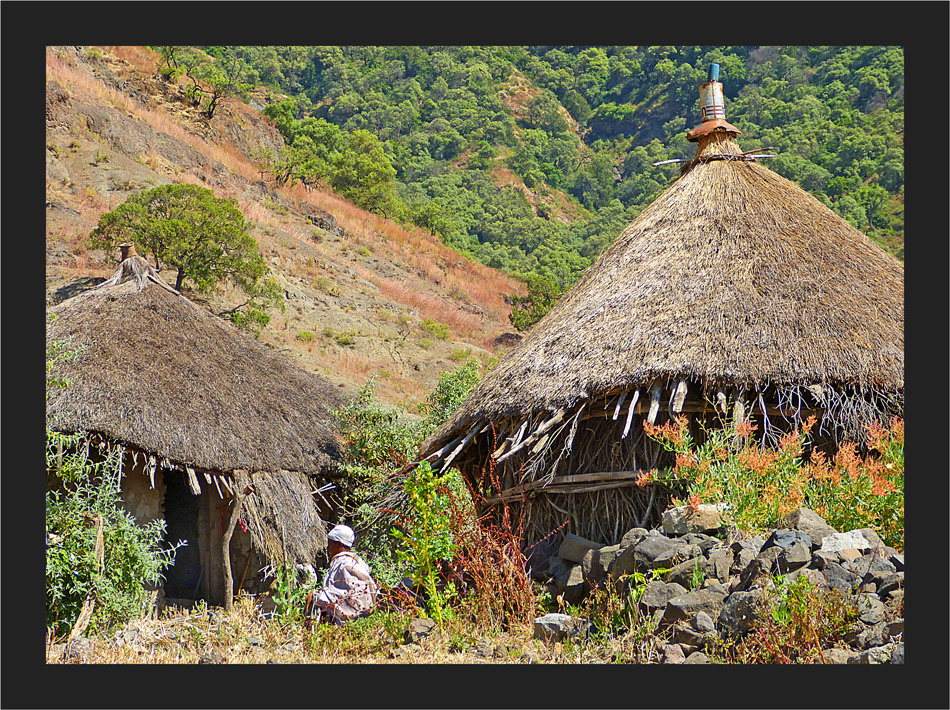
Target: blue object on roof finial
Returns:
[713, 72]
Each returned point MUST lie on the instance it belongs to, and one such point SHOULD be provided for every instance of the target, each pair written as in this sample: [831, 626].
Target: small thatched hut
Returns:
[734, 291]
[203, 415]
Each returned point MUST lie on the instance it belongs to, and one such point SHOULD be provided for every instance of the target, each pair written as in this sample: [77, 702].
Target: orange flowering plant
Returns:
[761, 484]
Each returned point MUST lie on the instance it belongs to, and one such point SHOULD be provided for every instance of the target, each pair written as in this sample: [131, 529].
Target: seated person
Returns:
[348, 591]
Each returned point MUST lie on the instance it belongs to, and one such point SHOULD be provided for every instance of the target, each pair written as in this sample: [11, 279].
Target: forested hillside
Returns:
[532, 159]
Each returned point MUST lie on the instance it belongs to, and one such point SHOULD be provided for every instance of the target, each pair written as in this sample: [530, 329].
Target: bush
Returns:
[439, 330]
[761, 485]
[134, 556]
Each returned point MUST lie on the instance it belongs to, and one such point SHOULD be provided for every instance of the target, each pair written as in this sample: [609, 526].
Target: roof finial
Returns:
[128, 249]
[712, 107]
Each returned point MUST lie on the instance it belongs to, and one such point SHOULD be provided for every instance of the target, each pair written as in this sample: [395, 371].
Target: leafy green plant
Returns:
[439, 330]
[305, 336]
[134, 556]
[427, 537]
[288, 594]
[760, 485]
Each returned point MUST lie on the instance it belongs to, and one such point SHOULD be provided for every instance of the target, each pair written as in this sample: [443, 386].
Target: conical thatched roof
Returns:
[159, 373]
[732, 276]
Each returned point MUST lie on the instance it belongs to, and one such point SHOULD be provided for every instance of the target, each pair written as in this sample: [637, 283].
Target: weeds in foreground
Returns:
[763, 484]
[796, 623]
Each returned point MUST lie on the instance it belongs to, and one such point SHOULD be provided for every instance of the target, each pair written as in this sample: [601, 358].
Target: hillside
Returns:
[363, 295]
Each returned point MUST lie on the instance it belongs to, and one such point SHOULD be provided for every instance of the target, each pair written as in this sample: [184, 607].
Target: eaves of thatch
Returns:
[160, 377]
[733, 277]
[159, 373]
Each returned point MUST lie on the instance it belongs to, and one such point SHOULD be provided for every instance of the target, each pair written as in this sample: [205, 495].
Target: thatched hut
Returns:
[734, 291]
[203, 415]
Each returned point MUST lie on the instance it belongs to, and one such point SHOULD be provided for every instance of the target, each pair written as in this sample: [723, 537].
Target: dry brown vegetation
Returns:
[333, 282]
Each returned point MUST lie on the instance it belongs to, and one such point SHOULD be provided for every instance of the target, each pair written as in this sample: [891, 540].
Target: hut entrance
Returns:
[181, 517]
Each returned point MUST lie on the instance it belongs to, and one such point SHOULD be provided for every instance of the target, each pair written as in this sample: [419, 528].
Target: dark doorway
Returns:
[181, 516]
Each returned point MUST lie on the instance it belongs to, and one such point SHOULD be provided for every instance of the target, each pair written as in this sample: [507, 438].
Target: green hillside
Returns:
[531, 159]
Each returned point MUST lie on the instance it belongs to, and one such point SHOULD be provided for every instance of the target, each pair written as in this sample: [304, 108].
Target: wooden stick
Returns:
[471, 434]
[679, 397]
[85, 614]
[547, 424]
[623, 396]
[654, 403]
[633, 404]
[226, 550]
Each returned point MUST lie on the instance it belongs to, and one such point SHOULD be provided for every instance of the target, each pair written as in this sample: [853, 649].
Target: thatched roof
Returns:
[732, 276]
[160, 374]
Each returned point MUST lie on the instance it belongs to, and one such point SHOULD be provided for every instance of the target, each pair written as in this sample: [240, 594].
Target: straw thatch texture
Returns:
[282, 520]
[734, 276]
[161, 374]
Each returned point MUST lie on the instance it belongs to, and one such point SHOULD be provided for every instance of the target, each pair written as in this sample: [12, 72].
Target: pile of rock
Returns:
[715, 580]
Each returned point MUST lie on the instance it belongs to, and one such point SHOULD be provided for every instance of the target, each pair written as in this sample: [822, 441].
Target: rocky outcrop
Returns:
[701, 583]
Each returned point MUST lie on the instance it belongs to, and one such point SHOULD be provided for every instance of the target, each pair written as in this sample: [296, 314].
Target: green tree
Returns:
[364, 174]
[543, 293]
[203, 237]
[215, 79]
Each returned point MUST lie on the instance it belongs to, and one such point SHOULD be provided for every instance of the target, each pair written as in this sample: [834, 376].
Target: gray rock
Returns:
[844, 541]
[682, 607]
[820, 558]
[812, 575]
[807, 521]
[574, 586]
[786, 539]
[872, 636]
[891, 584]
[688, 636]
[839, 578]
[870, 609]
[697, 657]
[872, 537]
[657, 594]
[876, 655]
[719, 563]
[683, 520]
[897, 653]
[419, 629]
[849, 555]
[685, 573]
[574, 547]
[703, 623]
[557, 627]
[838, 655]
[678, 554]
[897, 559]
[894, 628]
[633, 536]
[796, 555]
[705, 542]
[764, 564]
[738, 613]
[597, 561]
[673, 653]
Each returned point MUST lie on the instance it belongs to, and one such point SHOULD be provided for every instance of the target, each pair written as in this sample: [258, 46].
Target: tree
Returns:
[216, 79]
[543, 293]
[187, 228]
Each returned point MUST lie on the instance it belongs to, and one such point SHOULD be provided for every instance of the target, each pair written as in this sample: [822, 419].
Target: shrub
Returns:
[305, 336]
[134, 556]
[439, 330]
[763, 484]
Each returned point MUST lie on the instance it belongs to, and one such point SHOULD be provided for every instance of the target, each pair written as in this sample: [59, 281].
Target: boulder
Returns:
[673, 653]
[574, 547]
[870, 609]
[697, 657]
[709, 600]
[633, 536]
[657, 594]
[738, 613]
[557, 627]
[678, 554]
[839, 578]
[844, 541]
[685, 572]
[719, 563]
[809, 522]
[683, 520]
[420, 629]
[597, 561]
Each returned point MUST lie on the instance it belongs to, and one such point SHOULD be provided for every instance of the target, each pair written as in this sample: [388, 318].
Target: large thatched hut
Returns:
[734, 292]
[203, 415]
